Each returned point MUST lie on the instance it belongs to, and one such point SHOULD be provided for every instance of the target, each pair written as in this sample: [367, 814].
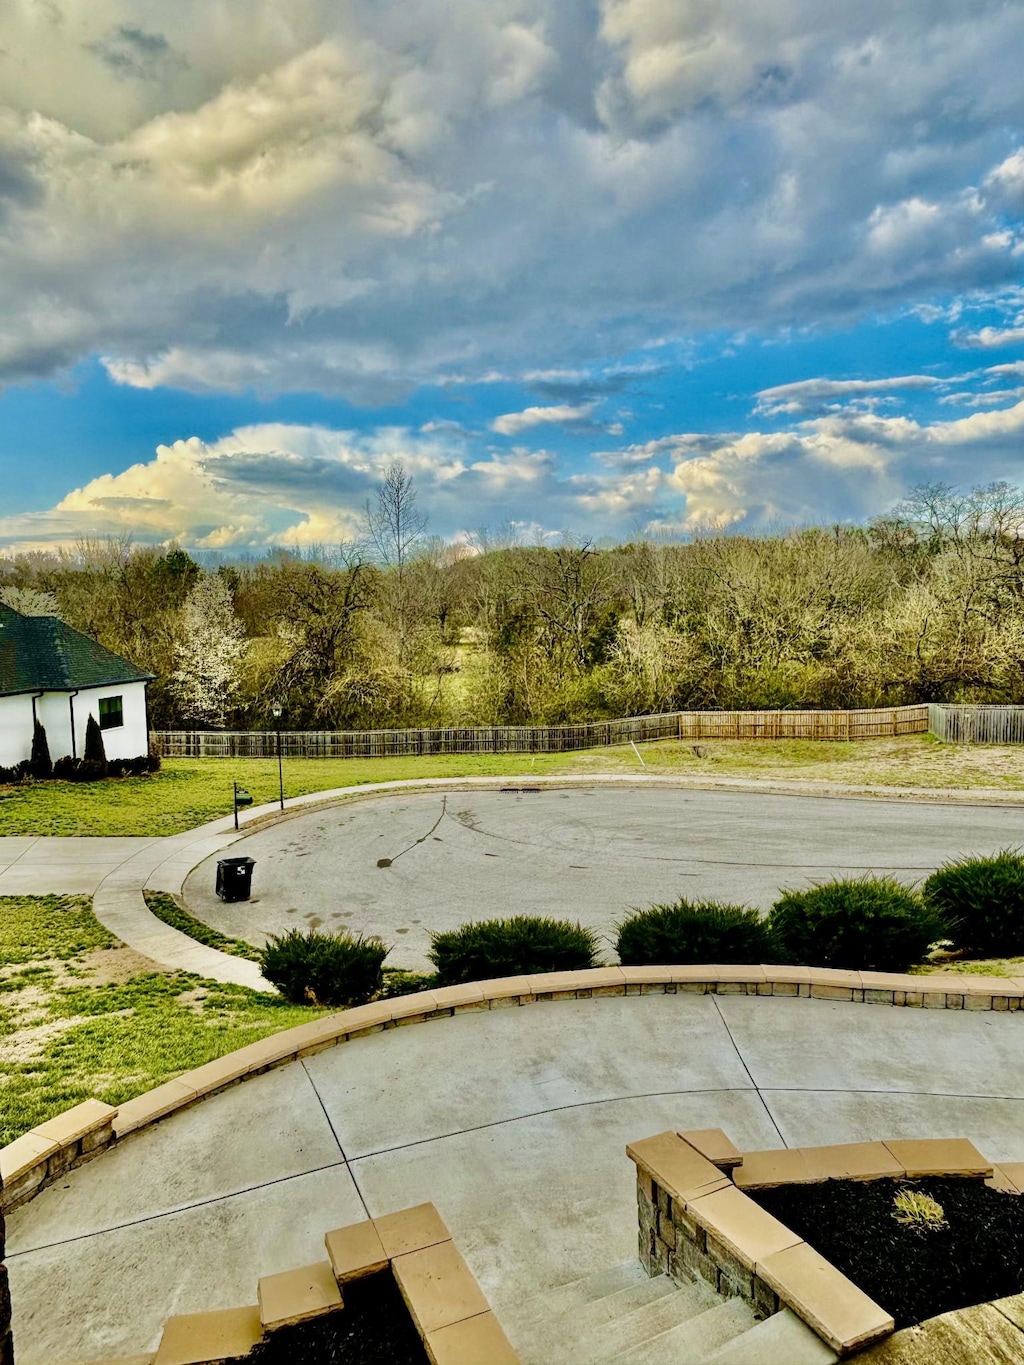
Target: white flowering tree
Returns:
[209, 650]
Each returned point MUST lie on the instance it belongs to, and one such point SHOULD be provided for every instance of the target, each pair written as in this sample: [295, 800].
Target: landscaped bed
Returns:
[373, 1328]
[918, 1269]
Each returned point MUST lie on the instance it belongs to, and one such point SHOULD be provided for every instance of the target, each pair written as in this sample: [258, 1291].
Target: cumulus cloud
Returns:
[285, 484]
[511, 423]
[356, 198]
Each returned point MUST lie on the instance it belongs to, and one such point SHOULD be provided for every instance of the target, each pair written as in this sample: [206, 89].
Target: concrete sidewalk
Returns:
[513, 1121]
[114, 873]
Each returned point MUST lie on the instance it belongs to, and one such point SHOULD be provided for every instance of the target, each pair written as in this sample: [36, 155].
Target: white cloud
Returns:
[278, 483]
[987, 338]
[511, 423]
[813, 393]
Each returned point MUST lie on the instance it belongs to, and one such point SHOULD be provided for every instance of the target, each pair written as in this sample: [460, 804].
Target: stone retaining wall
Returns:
[44, 1153]
[696, 1220]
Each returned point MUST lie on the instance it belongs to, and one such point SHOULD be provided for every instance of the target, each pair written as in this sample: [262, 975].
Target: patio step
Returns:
[781, 1339]
[573, 1293]
[693, 1342]
[611, 1314]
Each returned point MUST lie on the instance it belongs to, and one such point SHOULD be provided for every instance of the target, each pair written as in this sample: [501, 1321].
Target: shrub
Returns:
[133, 767]
[41, 764]
[95, 752]
[324, 969]
[70, 769]
[16, 774]
[870, 924]
[511, 947]
[983, 899]
[692, 932]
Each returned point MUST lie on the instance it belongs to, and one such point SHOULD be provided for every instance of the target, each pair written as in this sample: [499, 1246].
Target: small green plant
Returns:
[983, 899]
[511, 947]
[868, 924]
[324, 969]
[914, 1209]
[693, 932]
[398, 981]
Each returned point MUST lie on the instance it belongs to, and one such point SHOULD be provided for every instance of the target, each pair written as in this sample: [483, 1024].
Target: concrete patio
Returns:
[512, 1121]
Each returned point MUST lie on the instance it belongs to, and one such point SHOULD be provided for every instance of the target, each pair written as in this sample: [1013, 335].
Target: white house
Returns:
[57, 675]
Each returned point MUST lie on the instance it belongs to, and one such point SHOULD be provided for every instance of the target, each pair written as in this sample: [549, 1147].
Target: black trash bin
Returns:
[234, 878]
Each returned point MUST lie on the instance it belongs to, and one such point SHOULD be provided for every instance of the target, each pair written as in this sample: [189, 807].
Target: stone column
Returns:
[6, 1342]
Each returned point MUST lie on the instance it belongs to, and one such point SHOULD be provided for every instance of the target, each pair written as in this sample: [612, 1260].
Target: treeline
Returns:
[924, 604]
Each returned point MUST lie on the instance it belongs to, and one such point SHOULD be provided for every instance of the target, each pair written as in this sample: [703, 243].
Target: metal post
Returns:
[277, 710]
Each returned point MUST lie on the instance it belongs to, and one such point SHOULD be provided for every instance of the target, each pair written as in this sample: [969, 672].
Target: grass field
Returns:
[81, 1015]
[188, 792]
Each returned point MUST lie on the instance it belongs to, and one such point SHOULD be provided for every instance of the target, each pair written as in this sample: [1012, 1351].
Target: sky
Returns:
[604, 268]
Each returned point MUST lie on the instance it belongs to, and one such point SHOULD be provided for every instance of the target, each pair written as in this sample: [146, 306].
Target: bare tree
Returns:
[394, 524]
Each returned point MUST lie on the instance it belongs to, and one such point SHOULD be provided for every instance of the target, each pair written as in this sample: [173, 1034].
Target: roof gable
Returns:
[42, 654]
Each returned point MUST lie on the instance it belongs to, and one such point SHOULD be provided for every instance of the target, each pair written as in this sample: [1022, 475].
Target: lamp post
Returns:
[276, 711]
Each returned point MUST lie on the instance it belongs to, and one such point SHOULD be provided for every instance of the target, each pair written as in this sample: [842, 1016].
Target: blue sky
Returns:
[599, 266]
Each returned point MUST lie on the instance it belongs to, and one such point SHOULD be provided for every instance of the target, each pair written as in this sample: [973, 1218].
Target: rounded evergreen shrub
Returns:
[691, 932]
[868, 924]
[324, 969]
[983, 899]
[511, 947]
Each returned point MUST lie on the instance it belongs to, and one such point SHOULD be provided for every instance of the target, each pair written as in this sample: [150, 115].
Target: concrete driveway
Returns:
[512, 1121]
[587, 854]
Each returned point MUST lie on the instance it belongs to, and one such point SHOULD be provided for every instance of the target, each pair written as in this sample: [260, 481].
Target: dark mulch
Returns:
[913, 1274]
[373, 1328]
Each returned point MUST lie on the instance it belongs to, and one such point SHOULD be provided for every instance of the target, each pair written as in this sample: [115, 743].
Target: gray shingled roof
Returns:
[40, 653]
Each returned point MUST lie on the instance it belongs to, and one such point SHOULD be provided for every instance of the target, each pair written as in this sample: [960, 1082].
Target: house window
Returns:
[111, 713]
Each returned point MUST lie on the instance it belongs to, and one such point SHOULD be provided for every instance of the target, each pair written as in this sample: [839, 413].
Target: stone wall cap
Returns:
[939, 1156]
[746, 1229]
[438, 1287]
[852, 1161]
[714, 1144]
[21, 1155]
[826, 1300]
[676, 1166]
[411, 1230]
[356, 1251]
[776, 1166]
[473, 1341]
[198, 1338]
[295, 1296]
[75, 1123]
[153, 1105]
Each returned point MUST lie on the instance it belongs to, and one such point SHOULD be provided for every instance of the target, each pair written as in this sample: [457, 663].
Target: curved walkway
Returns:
[513, 1121]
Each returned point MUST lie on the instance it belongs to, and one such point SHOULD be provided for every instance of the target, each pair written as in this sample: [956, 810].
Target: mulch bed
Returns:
[373, 1328]
[914, 1274]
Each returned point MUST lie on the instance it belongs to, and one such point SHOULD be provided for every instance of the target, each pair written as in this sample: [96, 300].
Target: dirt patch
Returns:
[913, 1271]
[111, 966]
[28, 1043]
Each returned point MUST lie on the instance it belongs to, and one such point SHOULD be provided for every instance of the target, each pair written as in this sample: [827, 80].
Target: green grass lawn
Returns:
[189, 792]
[82, 1016]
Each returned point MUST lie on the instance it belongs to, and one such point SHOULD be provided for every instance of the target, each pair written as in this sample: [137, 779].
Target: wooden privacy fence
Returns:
[977, 724]
[545, 739]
